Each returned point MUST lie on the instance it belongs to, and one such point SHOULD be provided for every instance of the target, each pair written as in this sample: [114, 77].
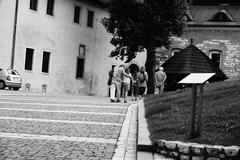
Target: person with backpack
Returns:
[142, 81]
[110, 75]
[126, 83]
[135, 86]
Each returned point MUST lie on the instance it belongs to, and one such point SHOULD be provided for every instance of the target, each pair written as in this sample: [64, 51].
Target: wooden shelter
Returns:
[189, 60]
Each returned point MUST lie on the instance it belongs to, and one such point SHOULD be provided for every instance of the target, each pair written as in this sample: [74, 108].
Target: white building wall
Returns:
[7, 8]
[60, 36]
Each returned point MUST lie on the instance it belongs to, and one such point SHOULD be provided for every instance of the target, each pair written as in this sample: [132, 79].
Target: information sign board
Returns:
[196, 78]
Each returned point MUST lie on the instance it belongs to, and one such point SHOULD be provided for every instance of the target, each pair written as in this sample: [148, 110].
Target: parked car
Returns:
[10, 78]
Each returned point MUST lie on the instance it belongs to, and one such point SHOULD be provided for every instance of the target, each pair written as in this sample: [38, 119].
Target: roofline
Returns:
[216, 25]
[97, 3]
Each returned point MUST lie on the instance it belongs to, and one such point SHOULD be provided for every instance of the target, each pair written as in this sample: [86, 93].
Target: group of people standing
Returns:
[120, 79]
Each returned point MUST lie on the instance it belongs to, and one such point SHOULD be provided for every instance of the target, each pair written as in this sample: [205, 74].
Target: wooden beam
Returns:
[199, 123]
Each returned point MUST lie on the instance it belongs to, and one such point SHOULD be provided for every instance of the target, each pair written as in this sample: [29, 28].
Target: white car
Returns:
[10, 78]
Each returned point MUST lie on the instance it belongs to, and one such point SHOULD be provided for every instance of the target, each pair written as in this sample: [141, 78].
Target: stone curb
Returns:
[144, 144]
[123, 137]
[176, 149]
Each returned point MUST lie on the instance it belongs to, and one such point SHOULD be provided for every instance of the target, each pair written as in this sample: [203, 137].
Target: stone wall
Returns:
[225, 40]
[60, 36]
[192, 151]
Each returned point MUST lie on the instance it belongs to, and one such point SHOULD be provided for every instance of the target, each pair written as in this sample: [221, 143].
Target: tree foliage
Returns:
[148, 24]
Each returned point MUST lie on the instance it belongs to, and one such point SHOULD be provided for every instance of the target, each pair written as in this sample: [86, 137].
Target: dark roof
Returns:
[192, 60]
[215, 2]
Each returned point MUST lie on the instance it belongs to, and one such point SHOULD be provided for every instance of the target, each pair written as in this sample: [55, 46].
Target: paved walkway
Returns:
[45, 126]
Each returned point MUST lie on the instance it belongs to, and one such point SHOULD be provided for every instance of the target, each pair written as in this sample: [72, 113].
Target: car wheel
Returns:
[2, 85]
[15, 88]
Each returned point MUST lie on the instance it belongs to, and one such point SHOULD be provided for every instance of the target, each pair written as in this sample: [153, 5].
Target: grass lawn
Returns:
[168, 116]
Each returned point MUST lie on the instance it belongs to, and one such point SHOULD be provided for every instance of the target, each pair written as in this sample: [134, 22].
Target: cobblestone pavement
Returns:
[43, 126]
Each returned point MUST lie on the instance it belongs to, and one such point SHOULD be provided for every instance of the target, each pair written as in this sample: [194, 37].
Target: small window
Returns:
[77, 14]
[222, 16]
[80, 62]
[90, 18]
[29, 59]
[33, 5]
[12, 72]
[216, 58]
[45, 62]
[50, 6]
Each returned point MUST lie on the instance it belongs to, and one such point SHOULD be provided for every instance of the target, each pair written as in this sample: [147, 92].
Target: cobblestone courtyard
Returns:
[37, 126]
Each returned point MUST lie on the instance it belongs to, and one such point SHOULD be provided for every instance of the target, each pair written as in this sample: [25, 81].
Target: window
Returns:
[77, 14]
[50, 6]
[12, 72]
[216, 58]
[45, 62]
[80, 61]
[222, 16]
[90, 18]
[33, 5]
[29, 59]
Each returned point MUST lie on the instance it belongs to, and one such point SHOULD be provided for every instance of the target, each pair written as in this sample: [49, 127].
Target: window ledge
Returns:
[28, 71]
[44, 73]
[50, 16]
[79, 78]
[33, 11]
[77, 24]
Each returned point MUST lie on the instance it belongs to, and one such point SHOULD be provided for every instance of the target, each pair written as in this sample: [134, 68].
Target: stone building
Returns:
[215, 27]
[61, 43]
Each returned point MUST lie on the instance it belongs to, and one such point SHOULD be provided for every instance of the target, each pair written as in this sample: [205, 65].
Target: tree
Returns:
[148, 24]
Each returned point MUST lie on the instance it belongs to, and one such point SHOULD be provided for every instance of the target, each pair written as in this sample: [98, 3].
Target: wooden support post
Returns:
[195, 79]
[199, 124]
[194, 100]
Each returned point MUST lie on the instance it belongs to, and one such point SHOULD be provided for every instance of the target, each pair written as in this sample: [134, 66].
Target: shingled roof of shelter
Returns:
[192, 60]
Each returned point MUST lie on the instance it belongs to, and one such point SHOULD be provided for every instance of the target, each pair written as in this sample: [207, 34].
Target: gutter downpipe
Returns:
[14, 34]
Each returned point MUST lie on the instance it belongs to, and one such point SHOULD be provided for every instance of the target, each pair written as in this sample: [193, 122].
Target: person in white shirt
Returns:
[126, 83]
[117, 79]
[160, 78]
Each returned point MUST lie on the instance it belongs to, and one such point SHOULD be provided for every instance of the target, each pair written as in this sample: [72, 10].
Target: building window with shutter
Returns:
[50, 7]
[33, 5]
[45, 62]
[77, 12]
[80, 62]
[90, 18]
[29, 59]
